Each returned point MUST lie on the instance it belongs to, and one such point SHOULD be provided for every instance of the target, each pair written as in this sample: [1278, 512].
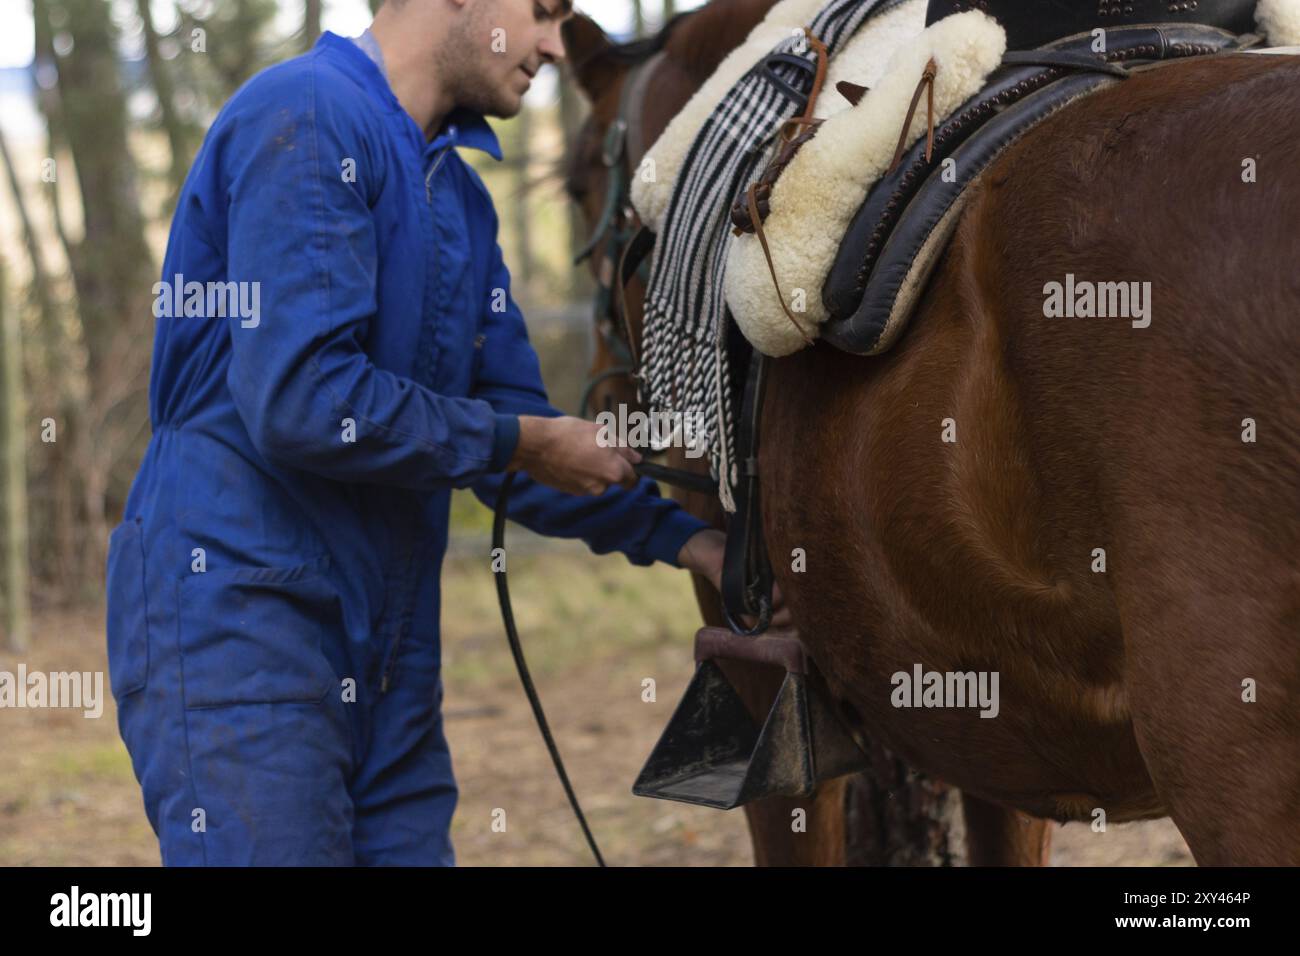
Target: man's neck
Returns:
[412, 76]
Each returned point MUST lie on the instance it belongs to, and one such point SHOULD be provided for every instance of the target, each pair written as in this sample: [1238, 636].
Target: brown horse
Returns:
[1103, 515]
[891, 814]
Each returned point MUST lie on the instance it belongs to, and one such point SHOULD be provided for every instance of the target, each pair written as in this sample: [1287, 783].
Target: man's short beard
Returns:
[460, 59]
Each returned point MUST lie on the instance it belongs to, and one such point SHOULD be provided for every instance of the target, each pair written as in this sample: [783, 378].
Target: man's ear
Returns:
[587, 50]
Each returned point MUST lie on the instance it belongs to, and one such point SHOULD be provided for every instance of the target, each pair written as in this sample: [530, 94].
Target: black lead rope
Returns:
[512, 635]
[687, 480]
[673, 476]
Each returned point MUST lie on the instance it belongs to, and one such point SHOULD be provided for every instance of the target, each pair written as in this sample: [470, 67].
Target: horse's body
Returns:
[1121, 690]
[890, 814]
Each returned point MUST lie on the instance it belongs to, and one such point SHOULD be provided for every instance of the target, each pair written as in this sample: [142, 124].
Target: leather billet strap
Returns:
[819, 78]
[758, 194]
[925, 84]
[792, 133]
[746, 571]
[781, 86]
[757, 219]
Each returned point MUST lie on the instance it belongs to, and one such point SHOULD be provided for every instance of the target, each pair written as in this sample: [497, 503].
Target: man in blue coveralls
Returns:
[336, 350]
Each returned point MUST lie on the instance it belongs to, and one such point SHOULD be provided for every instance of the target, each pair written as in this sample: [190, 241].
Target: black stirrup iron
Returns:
[714, 754]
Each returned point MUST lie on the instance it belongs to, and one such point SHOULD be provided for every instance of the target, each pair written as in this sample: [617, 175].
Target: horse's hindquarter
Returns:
[955, 496]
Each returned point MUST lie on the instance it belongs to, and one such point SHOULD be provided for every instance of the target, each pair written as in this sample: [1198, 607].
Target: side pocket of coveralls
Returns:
[126, 627]
[255, 635]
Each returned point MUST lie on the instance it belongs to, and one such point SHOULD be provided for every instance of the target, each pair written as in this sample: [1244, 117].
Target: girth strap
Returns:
[746, 571]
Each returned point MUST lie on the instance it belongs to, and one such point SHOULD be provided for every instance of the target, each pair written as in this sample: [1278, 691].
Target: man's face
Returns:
[497, 46]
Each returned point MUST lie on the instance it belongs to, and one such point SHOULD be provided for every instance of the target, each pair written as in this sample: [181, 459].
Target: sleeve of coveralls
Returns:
[306, 236]
[637, 522]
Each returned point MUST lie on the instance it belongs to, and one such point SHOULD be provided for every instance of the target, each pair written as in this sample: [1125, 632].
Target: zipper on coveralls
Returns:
[428, 190]
[386, 680]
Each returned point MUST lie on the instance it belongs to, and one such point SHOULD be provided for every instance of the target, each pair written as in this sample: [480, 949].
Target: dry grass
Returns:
[594, 629]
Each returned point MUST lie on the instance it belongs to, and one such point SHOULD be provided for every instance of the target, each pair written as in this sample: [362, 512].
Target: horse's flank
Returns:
[1122, 689]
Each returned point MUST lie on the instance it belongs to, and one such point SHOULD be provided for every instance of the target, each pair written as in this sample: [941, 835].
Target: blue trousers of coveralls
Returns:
[320, 775]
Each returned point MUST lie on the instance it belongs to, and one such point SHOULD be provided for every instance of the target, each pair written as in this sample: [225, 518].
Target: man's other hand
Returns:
[563, 453]
[703, 553]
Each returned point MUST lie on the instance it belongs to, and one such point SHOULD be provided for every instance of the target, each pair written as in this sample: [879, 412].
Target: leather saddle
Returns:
[1027, 25]
[898, 233]
[1037, 23]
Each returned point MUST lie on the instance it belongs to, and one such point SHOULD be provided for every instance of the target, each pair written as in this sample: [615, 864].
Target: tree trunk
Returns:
[235, 43]
[112, 266]
[17, 618]
[40, 275]
[61, 343]
[56, 479]
[166, 93]
[310, 23]
[47, 98]
[895, 816]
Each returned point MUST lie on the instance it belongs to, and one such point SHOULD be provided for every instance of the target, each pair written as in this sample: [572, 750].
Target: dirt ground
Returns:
[594, 628]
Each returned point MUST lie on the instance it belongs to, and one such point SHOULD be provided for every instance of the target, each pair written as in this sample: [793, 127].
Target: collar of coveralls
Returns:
[461, 127]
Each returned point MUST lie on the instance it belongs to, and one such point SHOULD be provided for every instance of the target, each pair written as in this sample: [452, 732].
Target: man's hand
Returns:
[563, 453]
[703, 553]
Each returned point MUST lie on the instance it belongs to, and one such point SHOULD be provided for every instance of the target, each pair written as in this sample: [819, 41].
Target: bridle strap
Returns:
[623, 149]
[628, 243]
[634, 255]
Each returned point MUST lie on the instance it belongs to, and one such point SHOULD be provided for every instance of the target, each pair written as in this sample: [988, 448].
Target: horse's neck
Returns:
[715, 31]
[741, 16]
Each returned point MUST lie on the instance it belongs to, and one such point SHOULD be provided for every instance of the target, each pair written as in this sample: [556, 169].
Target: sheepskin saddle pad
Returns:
[915, 107]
